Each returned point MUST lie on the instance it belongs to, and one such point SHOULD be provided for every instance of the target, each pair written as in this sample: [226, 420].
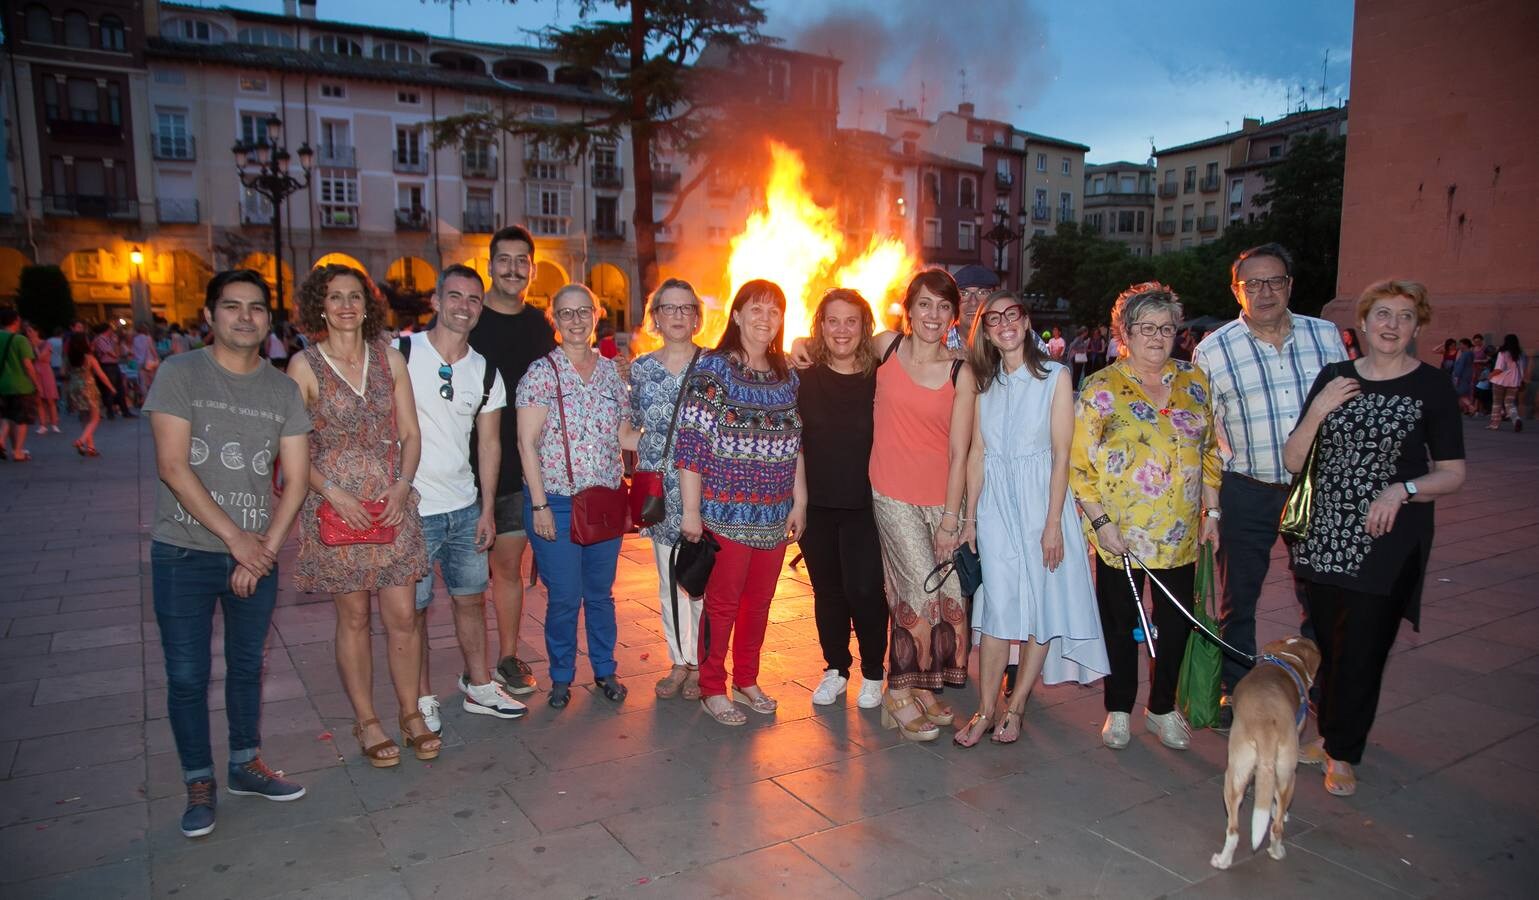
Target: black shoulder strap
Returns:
[891, 348]
[956, 369]
[403, 344]
[488, 378]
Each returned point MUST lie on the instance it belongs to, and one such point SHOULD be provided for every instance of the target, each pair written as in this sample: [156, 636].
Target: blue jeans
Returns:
[575, 577]
[188, 584]
[451, 543]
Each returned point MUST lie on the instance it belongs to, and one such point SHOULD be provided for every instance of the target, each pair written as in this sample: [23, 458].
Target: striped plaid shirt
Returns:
[1259, 390]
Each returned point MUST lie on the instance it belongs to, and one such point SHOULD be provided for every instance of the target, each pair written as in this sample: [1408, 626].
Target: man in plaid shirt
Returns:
[1261, 367]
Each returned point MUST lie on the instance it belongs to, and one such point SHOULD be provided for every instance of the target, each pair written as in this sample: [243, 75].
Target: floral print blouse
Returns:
[593, 410]
[1146, 465]
[654, 396]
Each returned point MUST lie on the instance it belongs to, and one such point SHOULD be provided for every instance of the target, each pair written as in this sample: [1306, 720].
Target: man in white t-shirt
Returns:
[453, 393]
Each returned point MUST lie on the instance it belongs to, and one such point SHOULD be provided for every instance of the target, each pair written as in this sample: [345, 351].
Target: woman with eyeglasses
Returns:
[1145, 470]
[364, 449]
[738, 451]
[1388, 442]
[1036, 573]
[576, 431]
[674, 312]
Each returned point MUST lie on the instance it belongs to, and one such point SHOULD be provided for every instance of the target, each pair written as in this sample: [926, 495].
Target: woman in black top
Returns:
[841, 546]
[1390, 441]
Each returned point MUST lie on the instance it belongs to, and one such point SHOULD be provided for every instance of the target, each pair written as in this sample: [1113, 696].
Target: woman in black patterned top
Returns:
[1390, 441]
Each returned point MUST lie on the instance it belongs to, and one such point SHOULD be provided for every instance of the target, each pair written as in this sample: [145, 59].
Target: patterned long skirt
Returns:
[928, 645]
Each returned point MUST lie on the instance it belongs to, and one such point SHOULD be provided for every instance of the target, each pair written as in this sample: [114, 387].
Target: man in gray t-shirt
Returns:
[223, 421]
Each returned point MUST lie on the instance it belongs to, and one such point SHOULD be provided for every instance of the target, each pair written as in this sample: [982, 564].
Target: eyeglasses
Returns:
[570, 314]
[975, 292]
[676, 309]
[446, 390]
[1255, 285]
[1149, 329]
[999, 317]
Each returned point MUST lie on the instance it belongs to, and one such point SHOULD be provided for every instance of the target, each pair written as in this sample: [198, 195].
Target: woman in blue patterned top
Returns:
[655, 378]
[738, 450]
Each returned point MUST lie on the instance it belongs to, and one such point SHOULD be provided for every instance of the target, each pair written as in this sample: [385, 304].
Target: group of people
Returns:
[1488, 378]
[887, 456]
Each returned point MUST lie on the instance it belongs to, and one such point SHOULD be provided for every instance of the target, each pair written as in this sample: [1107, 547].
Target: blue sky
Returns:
[1107, 74]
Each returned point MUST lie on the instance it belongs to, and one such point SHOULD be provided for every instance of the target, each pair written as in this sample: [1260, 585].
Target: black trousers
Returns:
[844, 560]
[1247, 534]
[117, 401]
[1355, 632]
[1119, 618]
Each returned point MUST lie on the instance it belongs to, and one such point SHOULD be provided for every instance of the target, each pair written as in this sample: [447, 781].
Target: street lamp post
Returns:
[270, 177]
[139, 295]
[1002, 237]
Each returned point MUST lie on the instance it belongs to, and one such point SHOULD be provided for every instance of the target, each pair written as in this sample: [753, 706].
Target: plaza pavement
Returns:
[651, 798]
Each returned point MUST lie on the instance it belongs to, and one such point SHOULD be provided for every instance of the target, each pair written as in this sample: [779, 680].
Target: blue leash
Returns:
[1146, 635]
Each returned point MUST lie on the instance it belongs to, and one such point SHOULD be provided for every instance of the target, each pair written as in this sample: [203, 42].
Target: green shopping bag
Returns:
[1198, 690]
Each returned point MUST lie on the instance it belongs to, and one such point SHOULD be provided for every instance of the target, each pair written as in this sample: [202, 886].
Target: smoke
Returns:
[993, 53]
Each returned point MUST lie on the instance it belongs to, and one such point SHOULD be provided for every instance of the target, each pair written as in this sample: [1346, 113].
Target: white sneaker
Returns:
[1171, 728]
[870, 694]
[829, 689]
[1117, 731]
[428, 706]
[490, 700]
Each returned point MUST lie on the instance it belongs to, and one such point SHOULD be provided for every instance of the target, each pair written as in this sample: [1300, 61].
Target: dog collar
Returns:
[1298, 682]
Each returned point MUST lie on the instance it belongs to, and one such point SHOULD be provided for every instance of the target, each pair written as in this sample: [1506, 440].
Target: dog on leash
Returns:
[1270, 705]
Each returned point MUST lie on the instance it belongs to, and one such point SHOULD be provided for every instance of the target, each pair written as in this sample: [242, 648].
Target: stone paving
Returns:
[651, 798]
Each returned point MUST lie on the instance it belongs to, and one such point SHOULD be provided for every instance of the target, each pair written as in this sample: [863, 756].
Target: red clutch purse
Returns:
[336, 533]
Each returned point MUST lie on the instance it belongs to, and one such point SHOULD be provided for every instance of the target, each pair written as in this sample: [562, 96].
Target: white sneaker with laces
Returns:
[490, 700]
[1117, 731]
[829, 689]
[870, 694]
[1171, 728]
[428, 706]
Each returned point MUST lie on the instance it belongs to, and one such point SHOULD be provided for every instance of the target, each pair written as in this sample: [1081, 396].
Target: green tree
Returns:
[43, 297]
[1077, 264]
[645, 62]
[1303, 202]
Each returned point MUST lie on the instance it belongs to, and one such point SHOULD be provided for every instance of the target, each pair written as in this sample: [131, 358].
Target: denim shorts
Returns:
[451, 543]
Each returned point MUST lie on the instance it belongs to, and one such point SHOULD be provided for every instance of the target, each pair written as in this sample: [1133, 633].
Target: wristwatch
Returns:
[1410, 490]
[1211, 512]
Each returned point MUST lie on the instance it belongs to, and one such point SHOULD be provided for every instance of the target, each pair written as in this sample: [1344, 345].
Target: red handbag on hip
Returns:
[334, 532]
[598, 513]
[649, 503]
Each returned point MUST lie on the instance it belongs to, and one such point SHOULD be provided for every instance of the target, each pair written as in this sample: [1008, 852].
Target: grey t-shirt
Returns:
[237, 423]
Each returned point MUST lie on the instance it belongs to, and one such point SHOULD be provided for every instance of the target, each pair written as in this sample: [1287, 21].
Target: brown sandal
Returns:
[935, 711]
[426, 746]
[375, 754]
[691, 688]
[668, 686]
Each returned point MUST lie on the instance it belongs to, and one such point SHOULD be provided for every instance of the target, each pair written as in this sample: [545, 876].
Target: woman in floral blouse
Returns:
[655, 379]
[587, 416]
[1144, 455]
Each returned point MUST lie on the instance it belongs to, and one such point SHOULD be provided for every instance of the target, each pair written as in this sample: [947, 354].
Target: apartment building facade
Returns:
[1119, 204]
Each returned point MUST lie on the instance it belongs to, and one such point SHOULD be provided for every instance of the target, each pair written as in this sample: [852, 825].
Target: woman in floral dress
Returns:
[365, 448]
[1144, 467]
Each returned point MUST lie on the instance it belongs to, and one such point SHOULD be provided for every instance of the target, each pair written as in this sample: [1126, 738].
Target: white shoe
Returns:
[490, 700]
[829, 689]
[1117, 731]
[428, 706]
[870, 694]
[1171, 728]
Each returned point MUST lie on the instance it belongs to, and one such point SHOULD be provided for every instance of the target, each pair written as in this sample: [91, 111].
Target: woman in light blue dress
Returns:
[1036, 569]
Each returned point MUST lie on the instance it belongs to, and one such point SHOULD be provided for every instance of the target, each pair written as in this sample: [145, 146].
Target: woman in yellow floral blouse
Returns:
[1144, 455]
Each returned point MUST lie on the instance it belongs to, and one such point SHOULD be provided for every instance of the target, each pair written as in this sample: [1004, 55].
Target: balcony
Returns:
[550, 226]
[479, 223]
[609, 231]
[1209, 185]
[1168, 190]
[176, 211]
[412, 220]
[608, 177]
[411, 163]
[88, 206]
[1065, 213]
[90, 132]
[478, 165]
[665, 181]
[1186, 225]
[336, 156]
[1207, 224]
[170, 145]
[1003, 180]
[1041, 214]
[335, 215]
[1165, 229]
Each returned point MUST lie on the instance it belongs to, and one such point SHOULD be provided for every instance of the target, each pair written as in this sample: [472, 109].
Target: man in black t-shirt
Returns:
[511, 335]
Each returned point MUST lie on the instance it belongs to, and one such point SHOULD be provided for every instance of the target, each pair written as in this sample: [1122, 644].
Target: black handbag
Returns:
[692, 561]
[965, 563]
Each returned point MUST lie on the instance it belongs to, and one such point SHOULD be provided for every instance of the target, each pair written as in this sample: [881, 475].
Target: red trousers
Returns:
[737, 603]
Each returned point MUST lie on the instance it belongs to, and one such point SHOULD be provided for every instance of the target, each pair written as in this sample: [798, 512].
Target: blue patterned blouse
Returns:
[653, 395]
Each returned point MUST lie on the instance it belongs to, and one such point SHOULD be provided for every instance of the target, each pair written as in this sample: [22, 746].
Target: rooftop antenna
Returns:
[963, 72]
[1324, 66]
[860, 107]
[922, 98]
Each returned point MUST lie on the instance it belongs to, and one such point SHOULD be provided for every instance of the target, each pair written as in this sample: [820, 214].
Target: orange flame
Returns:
[796, 243]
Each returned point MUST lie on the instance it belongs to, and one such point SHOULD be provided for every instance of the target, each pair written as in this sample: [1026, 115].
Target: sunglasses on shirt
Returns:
[446, 390]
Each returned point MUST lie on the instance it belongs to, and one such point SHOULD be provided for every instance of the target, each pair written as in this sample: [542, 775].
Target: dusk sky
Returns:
[1112, 75]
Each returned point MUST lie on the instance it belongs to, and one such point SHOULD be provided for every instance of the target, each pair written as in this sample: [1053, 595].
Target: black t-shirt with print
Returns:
[1387, 434]
[511, 342]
